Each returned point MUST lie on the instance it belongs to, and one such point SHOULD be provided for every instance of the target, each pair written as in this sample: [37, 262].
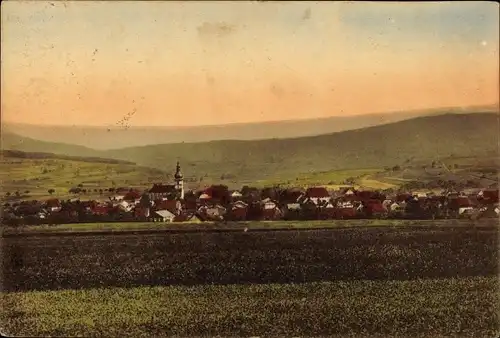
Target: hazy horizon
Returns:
[181, 64]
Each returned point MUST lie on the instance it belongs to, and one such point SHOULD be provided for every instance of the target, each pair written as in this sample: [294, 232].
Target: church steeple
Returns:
[179, 180]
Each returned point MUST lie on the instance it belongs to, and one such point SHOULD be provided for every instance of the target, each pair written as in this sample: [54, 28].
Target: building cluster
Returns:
[170, 203]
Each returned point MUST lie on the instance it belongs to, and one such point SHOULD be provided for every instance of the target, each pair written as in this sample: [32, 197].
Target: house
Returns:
[268, 204]
[174, 206]
[238, 211]
[375, 208]
[125, 206]
[205, 195]
[490, 211]
[159, 191]
[364, 195]
[53, 205]
[189, 206]
[348, 191]
[212, 212]
[132, 196]
[290, 196]
[188, 218]
[292, 211]
[488, 196]
[326, 210]
[396, 208]
[162, 216]
[269, 209]
[316, 195]
[345, 212]
[272, 214]
[236, 195]
[404, 197]
[101, 210]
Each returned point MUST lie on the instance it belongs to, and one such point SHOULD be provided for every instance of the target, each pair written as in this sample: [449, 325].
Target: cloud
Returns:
[217, 29]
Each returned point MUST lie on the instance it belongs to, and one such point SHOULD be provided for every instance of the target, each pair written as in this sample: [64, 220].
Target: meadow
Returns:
[418, 308]
[34, 177]
[369, 281]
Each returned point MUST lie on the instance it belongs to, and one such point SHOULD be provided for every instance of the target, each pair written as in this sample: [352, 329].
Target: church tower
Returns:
[179, 181]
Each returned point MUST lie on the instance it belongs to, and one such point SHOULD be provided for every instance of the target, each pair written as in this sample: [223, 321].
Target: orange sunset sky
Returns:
[179, 64]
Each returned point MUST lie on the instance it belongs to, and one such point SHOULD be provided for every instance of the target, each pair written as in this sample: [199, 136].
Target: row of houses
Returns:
[217, 203]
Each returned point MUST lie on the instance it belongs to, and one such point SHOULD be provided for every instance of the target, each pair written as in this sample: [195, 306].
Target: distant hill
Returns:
[226, 161]
[373, 147]
[11, 141]
[114, 137]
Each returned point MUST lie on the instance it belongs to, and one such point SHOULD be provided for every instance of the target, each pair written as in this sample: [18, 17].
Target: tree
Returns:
[51, 191]
[18, 193]
[350, 181]
[7, 194]
[145, 201]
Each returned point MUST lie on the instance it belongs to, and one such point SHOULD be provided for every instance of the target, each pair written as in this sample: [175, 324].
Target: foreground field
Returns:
[417, 308]
[89, 261]
[367, 281]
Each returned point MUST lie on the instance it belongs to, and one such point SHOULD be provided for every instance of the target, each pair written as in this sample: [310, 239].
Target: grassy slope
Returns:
[423, 308]
[39, 175]
[375, 147]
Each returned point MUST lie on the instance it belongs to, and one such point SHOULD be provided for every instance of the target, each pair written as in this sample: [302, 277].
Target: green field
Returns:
[37, 176]
[423, 308]
[256, 225]
[34, 177]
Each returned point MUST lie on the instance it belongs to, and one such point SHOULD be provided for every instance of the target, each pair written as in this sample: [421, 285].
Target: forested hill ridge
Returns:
[391, 144]
[427, 137]
[115, 137]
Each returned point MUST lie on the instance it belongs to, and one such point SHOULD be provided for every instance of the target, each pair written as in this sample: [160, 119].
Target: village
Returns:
[170, 203]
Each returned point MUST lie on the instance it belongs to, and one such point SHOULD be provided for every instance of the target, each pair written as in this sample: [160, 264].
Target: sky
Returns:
[147, 63]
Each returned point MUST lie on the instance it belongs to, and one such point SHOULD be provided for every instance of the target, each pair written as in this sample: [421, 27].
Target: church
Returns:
[172, 191]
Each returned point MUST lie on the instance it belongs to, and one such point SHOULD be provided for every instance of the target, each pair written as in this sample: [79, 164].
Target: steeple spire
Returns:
[179, 181]
[178, 173]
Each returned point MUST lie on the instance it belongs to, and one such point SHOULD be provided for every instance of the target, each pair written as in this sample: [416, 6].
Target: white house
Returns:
[268, 204]
[162, 216]
[236, 194]
[464, 210]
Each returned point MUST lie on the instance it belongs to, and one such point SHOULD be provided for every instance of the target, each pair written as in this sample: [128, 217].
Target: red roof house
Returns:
[317, 192]
[132, 196]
